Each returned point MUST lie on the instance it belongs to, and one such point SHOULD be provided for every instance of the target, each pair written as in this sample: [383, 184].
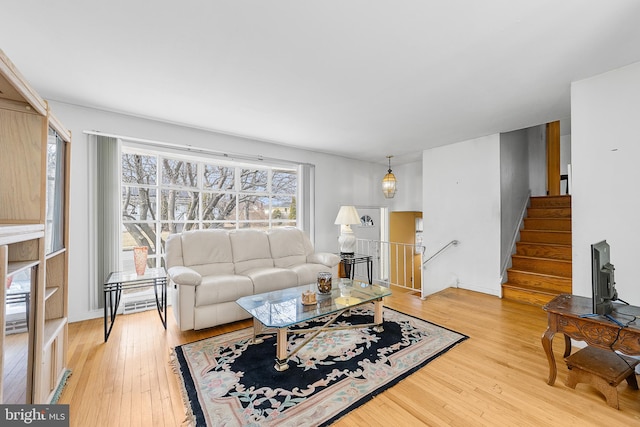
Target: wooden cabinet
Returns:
[34, 201]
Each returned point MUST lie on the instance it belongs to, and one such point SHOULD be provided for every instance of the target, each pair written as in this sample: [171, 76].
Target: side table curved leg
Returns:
[567, 346]
[547, 344]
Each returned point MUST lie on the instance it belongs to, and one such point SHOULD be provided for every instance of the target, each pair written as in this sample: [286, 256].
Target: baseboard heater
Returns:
[139, 305]
[15, 326]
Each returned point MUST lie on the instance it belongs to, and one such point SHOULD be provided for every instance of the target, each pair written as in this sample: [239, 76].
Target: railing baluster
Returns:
[386, 253]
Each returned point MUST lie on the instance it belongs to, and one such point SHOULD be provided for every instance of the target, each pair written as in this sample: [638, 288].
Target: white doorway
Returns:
[373, 227]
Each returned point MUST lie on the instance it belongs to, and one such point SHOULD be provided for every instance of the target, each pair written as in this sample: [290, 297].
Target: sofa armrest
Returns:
[184, 276]
[324, 258]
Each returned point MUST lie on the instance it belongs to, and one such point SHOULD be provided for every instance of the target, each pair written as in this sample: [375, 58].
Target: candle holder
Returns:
[324, 282]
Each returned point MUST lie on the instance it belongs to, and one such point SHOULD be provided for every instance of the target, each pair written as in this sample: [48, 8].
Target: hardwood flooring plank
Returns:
[496, 377]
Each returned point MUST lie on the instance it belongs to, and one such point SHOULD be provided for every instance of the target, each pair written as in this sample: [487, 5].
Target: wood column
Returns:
[553, 158]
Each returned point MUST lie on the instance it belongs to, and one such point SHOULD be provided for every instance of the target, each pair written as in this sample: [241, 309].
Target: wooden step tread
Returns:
[550, 231]
[532, 289]
[546, 266]
[550, 201]
[533, 258]
[550, 213]
[527, 296]
[546, 236]
[548, 224]
[541, 275]
[537, 280]
[544, 250]
[551, 245]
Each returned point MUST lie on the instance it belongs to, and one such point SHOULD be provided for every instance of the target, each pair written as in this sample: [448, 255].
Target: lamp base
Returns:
[347, 254]
[347, 242]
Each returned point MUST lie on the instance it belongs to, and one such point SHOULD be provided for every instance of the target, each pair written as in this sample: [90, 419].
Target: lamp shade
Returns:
[347, 215]
[389, 185]
[389, 182]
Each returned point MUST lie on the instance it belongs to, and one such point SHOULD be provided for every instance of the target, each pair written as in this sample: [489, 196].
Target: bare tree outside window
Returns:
[162, 195]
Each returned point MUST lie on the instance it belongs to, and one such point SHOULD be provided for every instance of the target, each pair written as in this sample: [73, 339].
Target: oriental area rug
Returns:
[228, 381]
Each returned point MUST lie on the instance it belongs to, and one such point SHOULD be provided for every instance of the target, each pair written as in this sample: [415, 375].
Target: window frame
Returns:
[165, 226]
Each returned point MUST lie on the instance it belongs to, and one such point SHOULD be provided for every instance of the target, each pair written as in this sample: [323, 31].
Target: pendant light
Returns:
[389, 182]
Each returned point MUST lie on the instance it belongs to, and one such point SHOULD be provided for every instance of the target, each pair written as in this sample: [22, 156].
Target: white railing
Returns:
[398, 264]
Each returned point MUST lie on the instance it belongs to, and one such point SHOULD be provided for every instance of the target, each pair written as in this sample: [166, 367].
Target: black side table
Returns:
[349, 260]
[120, 280]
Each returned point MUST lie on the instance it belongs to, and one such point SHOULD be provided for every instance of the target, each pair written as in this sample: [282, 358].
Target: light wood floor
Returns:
[495, 378]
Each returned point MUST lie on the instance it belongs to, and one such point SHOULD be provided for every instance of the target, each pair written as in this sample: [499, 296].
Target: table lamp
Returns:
[347, 215]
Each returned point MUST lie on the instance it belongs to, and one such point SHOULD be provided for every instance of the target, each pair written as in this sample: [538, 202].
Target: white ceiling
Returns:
[357, 78]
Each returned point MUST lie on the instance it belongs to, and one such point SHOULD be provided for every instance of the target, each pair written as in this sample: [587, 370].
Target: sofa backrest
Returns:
[206, 251]
[288, 246]
[173, 251]
[250, 250]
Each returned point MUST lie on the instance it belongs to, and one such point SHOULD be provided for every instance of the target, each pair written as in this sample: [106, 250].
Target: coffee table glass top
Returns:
[283, 308]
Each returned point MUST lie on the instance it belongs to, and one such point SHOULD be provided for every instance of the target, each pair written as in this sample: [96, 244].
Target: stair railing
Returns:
[445, 247]
[514, 239]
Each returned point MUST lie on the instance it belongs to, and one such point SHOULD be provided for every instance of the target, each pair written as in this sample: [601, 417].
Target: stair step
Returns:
[546, 236]
[550, 201]
[542, 282]
[549, 213]
[542, 250]
[526, 295]
[541, 267]
[556, 224]
[554, 267]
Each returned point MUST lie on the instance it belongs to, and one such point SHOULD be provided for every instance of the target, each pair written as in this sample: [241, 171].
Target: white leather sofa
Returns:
[211, 269]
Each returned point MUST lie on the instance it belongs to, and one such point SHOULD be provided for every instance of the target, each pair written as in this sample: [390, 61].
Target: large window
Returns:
[163, 194]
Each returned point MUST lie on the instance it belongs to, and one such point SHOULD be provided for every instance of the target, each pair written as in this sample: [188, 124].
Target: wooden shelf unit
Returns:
[34, 233]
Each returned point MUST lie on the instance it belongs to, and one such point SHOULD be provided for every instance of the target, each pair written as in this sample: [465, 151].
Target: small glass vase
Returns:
[140, 259]
[324, 282]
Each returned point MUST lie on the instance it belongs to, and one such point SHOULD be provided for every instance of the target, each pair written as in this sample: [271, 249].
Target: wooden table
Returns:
[571, 316]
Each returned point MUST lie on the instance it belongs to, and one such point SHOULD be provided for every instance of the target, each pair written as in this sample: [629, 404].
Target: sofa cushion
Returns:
[223, 288]
[308, 273]
[287, 246]
[207, 251]
[330, 260]
[271, 279]
[250, 249]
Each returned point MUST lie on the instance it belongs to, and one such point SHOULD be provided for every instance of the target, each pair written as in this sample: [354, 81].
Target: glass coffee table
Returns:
[279, 310]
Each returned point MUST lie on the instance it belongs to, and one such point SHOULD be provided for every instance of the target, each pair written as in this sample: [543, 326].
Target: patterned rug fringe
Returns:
[63, 382]
[189, 419]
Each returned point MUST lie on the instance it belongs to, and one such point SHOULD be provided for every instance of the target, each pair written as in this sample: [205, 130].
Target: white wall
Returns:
[409, 194]
[338, 181]
[605, 131]
[514, 188]
[538, 160]
[461, 200]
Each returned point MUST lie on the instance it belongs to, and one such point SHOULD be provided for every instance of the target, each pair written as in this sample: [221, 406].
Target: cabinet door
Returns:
[20, 167]
[52, 365]
[47, 363]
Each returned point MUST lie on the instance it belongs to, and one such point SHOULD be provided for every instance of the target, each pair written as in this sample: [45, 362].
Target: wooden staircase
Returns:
[541, 266]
